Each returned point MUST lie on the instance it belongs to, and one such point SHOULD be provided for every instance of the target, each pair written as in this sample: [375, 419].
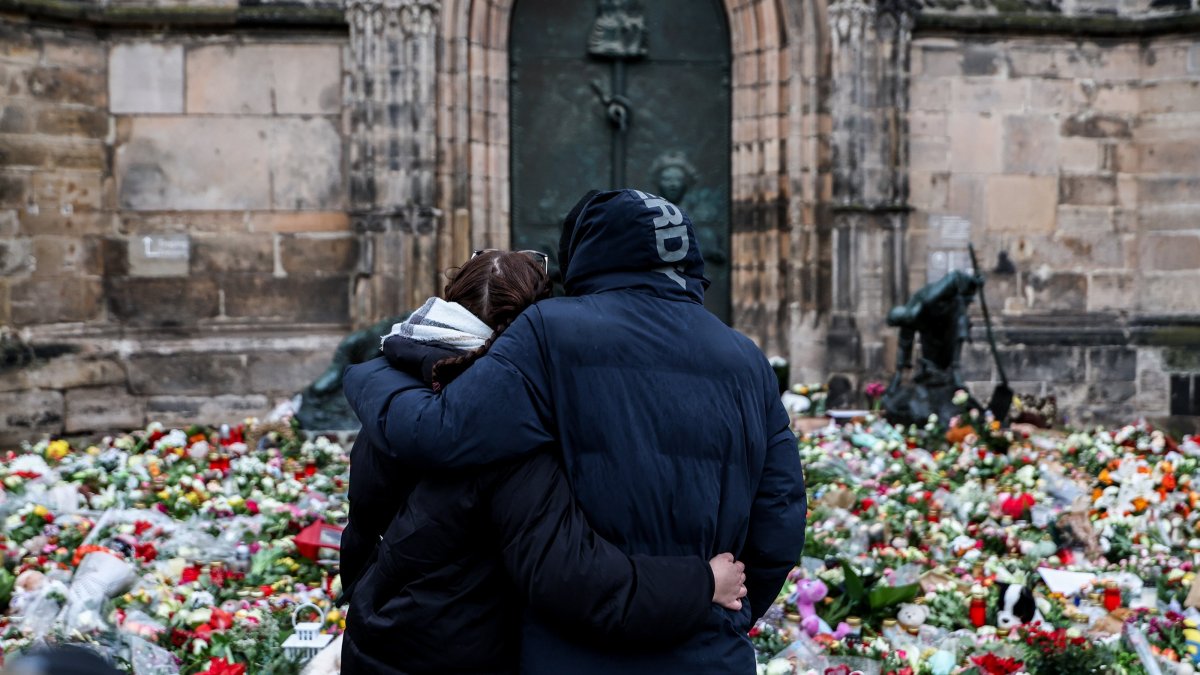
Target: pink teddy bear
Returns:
[808, 593]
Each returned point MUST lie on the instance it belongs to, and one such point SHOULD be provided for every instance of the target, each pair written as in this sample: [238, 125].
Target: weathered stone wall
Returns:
[174, 241]
[1078, 160]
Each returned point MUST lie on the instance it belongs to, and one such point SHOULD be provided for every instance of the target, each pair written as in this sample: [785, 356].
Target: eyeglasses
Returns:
[543, 258]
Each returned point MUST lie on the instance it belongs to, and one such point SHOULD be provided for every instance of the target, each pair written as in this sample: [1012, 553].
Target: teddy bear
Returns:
[912, 616]
[807, 594]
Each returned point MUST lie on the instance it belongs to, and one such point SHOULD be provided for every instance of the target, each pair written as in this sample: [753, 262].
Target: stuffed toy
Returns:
[1016, 607]
[808, 593]
[912, 616]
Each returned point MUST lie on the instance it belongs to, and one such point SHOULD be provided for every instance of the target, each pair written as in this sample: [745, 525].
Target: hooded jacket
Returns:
[452, 558]
[673, 435]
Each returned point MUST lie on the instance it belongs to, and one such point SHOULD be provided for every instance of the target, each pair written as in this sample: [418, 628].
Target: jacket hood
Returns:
[628, 239]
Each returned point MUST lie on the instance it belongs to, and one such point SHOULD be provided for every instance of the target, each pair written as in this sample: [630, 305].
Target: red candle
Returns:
[1112, 596]
[978, 610]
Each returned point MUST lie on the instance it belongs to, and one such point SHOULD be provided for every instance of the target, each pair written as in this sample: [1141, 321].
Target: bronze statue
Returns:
[938, 314]
[619, 31]
[322, 405]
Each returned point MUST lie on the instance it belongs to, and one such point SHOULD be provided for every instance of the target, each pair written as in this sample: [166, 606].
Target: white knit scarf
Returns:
[445, 323]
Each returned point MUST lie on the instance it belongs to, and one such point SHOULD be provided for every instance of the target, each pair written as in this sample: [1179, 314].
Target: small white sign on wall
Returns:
[166, 246]
[948, 240]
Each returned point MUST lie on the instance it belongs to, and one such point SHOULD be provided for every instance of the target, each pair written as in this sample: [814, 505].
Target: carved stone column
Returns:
[393, 152]
[869, 105]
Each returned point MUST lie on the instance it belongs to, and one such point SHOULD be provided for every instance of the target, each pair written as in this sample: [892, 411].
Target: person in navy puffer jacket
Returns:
[673, 436]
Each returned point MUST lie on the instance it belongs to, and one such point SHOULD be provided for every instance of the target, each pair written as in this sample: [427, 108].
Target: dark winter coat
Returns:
[673, 436]
[438, 567]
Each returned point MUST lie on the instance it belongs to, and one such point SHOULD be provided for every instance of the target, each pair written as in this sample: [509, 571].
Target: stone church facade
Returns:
[198, 199]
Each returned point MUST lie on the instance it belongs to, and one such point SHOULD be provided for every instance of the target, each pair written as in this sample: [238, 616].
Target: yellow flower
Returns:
[334, 616]
[193, 498]
[40, 511]
[57, 449]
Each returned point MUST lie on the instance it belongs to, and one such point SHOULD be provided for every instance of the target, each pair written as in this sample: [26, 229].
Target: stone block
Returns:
[1093, 190]
[217, 254]
[162, 302]
[103, 409]
[1172, 293]
[9, 225]
[981, 60]
[59, 85]
[1169, 128]
[273, 78]
[1046, 364]
[1177, 156]
[187, 373]
[286, 373]
[15, 257]
[1054, 96]
[16, 118]
[1027, 204]
[28, 416]
[1030, 145]
[195, 163]
[66, 256]
[320, 256]
[68, 192]
[145, 77]
[1056, 292]
[974, 143]
[1112, 364]
[14, 189]
[1169, 189]
[296, 299]
[989, 95]
[230, 163]
[1121, 100]
[1091, 125]
[42, 300]
[86, 54]
[939, 60]
[306, 165]
[1170, 96]
[930, 192]
[309, 221]
[35, 221]
[967, 197]
[158, 255]
[929, 154]
[1031, 61]
[1086, 221]
[1111, 291]
[214, 410]
[51, 153]
[930, 94]
[72, 371]
[1170, 217]
[87, 122]
[1167, 253]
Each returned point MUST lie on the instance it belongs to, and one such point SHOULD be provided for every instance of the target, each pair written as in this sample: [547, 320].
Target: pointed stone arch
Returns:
[776, 159]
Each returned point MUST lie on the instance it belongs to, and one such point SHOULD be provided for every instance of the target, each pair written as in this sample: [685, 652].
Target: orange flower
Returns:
[1168, 482]
[90, 548]
[1140, 504]
[1105, 477]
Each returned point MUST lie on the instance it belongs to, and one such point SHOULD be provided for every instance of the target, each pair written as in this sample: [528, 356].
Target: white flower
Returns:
[960, 397]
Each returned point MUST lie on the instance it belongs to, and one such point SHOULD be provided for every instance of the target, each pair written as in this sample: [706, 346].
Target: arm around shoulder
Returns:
[577, 580]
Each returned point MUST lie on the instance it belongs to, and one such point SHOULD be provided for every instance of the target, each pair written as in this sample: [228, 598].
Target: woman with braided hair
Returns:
[439, 569]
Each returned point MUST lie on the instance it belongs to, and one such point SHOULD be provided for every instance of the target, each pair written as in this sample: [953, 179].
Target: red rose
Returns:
[221, 619]
[223, 667]
[145, 552]
[141, 526]
[189, 575]
[252, 507]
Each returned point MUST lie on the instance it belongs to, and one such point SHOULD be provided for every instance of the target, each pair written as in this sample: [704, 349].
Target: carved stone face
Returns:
[672, 184]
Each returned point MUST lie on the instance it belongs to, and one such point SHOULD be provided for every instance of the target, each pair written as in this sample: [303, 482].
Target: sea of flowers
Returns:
[171, 550]
[967, 548]
[185, 550]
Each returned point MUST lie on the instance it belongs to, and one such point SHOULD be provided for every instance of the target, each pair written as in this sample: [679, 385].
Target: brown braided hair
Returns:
[495, 286]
